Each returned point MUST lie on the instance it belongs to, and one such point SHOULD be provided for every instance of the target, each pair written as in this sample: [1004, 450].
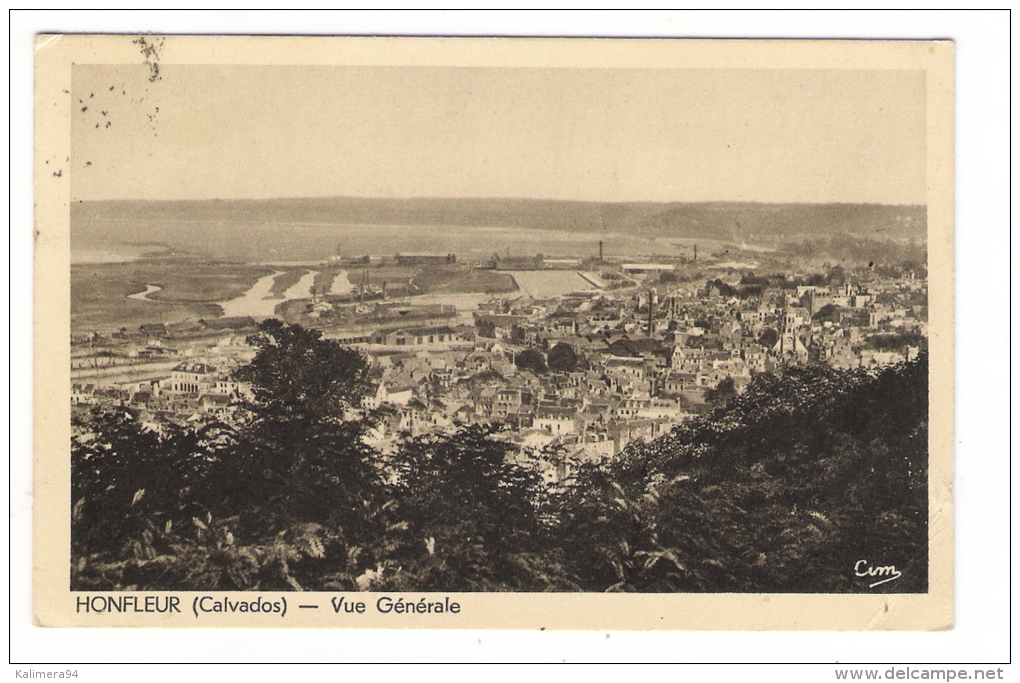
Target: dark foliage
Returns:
[562, 358]
[828, 312]
[666, 277]
[299, 457]
[468, 516]
[784, 489]
[297, 375]
[723, 288]
[781, 488]
[768, 338]
[531, 359]
[284, 496]
[896, 341]
[721, 393]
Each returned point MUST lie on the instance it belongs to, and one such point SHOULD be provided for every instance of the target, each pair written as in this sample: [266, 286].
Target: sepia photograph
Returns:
[502, 316]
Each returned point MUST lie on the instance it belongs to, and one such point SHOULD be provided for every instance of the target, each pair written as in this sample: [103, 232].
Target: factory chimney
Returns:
[651, 309]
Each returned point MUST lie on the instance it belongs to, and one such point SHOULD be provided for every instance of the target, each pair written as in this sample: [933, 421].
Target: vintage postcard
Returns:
[493, 333]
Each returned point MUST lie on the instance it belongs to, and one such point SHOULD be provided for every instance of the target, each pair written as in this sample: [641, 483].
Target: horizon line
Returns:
[503, 198]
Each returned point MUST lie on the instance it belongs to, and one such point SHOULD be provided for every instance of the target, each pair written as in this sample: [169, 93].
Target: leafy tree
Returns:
[724, 288]
[828, 312]
[768, 338]
[138, 498]
[118, 480]
[485, 327]
[750, 291]
[284, 502]
[721, 393]
[531, 359]
[298, 375]
[300, 460]
[562, 358]
[466, 515]
[895, 341]
[836, 275]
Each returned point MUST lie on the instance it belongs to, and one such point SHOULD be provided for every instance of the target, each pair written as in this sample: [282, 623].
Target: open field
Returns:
[544, 284]
[460, 279]
[411, 280]
[285, 281]
[107, 296]
[189, 289]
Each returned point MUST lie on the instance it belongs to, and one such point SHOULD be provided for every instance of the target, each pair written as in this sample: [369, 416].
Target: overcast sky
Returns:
[589, 134]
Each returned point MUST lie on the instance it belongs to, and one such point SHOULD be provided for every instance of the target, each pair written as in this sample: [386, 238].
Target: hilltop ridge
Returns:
[117, 219]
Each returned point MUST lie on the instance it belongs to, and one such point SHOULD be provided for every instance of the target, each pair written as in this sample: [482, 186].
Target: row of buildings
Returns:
[639, 362]
[581, 375]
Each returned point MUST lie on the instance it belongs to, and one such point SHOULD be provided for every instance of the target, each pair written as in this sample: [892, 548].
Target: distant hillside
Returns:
[111, 222]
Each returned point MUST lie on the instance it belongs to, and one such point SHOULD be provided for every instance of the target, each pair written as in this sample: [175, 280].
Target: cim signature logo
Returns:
[884, 574]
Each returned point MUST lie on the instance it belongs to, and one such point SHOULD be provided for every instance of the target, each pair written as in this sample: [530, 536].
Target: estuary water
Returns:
[255, 302]
[302, 289]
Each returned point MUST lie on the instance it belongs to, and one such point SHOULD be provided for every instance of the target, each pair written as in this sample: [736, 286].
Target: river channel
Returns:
[257, 302]
[144, 296]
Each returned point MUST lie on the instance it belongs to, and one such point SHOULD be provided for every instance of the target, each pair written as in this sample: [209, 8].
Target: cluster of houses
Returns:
[195, 391]
[155, 333]
[639, 364]
[582, 375]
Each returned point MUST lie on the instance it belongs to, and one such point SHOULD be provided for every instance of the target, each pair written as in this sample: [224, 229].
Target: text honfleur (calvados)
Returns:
[260, 605]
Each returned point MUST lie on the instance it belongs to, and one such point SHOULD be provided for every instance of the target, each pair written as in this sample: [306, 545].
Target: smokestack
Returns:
[600, 250]
[695, 252]
[651, 308]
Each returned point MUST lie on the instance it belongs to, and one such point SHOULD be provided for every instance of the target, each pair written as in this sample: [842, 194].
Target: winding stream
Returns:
[257, 302]
[144, 296]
